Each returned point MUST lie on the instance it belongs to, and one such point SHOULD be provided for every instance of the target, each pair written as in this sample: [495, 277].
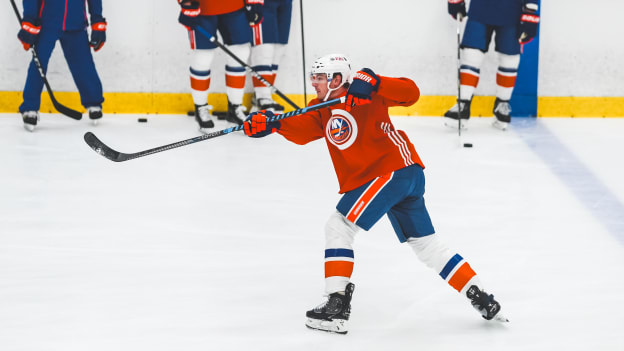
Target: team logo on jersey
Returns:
[341, 129]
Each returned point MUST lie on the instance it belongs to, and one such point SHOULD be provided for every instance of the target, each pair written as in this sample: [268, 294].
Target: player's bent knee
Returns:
[431, 251]
[508, 61]
[339, 231]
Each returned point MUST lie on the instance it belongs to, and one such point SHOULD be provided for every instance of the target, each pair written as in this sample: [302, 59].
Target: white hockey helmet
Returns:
[330, 65]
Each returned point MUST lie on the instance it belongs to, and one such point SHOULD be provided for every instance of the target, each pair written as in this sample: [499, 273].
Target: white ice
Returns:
[219, 245]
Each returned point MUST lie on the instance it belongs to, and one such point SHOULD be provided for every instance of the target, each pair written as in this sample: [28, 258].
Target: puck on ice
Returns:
[467, 145]
[143, 120]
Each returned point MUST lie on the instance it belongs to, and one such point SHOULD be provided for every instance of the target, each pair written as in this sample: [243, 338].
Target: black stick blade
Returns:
[64, 109]
[102, 149]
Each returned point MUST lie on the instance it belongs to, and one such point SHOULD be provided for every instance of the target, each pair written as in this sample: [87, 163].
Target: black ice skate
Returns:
[95, 114]
[333, 314]
[30, 119]
[270, 105]
[236, 113]
[461, 113]
[485, 304]
[203, 118]
[502, 114]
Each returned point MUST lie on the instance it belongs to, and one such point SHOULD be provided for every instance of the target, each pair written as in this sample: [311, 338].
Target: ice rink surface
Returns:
[219, 245]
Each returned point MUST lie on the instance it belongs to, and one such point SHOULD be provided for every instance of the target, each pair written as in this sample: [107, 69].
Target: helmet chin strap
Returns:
[329, 90]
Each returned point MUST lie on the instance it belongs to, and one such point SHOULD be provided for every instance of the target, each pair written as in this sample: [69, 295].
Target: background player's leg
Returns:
[235, 76]
[237, 36]
[78, 55]
[508, 54]
[34, 84]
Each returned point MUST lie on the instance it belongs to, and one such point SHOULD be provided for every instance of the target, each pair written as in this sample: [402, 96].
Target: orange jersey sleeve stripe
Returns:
[338, 269]
[462, 277]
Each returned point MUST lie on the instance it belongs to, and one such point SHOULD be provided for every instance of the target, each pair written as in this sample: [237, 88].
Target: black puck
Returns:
[467, 145]
[142, 120]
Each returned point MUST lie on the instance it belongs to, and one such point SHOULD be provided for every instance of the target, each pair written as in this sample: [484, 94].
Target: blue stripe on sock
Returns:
[234, 69]
[199, 73]
[507, 70]
[338, 253]
[450, 265]
[471, 68]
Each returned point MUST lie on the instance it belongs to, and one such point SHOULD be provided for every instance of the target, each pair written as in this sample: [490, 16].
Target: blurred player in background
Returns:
[379, 173]
[514, 23]
[45, 22]
[269, 43]
[232, 18]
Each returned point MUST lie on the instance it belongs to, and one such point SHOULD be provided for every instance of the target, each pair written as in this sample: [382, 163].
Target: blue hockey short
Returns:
[275, 27]
[233, 27]
[478, 36]
[398, 194]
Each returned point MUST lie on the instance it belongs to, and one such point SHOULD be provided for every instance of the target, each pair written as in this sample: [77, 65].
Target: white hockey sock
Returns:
[339, 257]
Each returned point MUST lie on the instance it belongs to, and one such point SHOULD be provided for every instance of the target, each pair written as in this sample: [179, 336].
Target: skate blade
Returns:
[499, 125]
[452, 123]
[29, 127]
[338, 326]
[500, 318]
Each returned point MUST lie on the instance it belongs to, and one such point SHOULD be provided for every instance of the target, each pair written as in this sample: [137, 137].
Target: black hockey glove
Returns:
[528, 23]
[98, 32]
[29, 32]
[365, 82]
[189, 13]
[456, 7]
[253, 10]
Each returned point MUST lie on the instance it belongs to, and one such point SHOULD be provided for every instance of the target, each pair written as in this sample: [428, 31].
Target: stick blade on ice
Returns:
[102, 149]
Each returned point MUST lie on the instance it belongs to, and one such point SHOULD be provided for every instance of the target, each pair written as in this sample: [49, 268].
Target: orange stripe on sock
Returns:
[338, 269]
[468, 79]
[368, 195]
[505, 81]
[200, 84]
[257, 83]
[236, 82]
[461, 277]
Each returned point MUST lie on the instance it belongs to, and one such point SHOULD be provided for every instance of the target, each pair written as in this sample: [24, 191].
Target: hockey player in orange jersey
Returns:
[379, 173]
[232, 19]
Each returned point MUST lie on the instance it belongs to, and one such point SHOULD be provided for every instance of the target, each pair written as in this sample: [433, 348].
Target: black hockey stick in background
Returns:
[60, 108]
[459, 19]
[104, 150]
[242, 63]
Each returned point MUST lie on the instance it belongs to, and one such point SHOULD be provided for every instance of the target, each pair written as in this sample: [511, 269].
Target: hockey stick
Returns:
[60, 108]
[459, 19]
[104, 150]
[242, 63]
[305, 89]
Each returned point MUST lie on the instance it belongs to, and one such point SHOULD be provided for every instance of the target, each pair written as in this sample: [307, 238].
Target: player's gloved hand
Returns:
[189, 13]
[257, 125]
[98, 32]
[528, 23]
[456, 7]
[365, 82]
[29, 32]
[253, 10]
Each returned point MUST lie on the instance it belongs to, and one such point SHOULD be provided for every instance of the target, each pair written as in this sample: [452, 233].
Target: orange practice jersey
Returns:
[219, 7]
[363, 144]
